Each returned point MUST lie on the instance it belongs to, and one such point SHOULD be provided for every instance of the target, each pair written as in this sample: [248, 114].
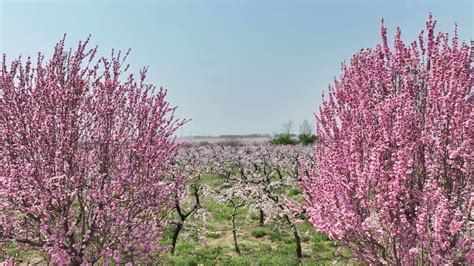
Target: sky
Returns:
[232, 67]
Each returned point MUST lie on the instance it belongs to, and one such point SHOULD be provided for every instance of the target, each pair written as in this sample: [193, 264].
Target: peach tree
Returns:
[394, 174]
[86, 153]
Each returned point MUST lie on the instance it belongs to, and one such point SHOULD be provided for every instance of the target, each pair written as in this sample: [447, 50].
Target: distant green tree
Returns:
[284, 139]
[307, 139]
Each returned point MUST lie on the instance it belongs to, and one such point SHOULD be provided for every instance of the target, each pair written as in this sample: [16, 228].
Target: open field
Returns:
[270, 244]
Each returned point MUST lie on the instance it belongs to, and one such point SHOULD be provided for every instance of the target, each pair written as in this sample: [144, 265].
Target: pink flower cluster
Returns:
[86, 154]
[394, 174]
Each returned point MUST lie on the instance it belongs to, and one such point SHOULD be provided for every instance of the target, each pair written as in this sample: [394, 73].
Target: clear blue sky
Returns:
[233, 67]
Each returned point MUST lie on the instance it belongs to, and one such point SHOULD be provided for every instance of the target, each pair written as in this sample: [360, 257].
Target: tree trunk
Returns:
[182, 217]
[234, 232]
[299, 253]
[178, 228]
[196, 195]
[261, 219]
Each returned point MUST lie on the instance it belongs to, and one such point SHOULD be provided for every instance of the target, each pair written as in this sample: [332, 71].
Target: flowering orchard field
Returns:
[91, 172]
[238, 202]
[234, 207]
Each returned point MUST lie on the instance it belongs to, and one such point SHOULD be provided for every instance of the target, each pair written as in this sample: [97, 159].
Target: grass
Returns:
[259, 232]
[259, 245]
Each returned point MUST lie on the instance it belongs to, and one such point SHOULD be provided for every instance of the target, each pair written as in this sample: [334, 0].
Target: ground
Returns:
[259, 245]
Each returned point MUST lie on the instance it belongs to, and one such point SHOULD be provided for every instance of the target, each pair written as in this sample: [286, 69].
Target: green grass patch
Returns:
[258, 232]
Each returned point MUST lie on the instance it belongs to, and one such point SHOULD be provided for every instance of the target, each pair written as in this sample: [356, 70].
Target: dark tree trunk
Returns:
[261, 218]
[196, 195]
[177, 230]
[299, 253]
[234, 232]
[234, 227]
[180, 223]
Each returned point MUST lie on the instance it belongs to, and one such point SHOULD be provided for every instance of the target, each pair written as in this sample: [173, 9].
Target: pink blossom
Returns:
[394, 177]
[86, 154]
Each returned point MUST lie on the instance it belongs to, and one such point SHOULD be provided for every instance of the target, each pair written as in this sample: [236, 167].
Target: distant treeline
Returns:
[229, 136]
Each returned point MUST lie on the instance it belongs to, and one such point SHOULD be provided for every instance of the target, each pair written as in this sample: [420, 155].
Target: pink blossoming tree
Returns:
[394, 174]
[86, 156]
